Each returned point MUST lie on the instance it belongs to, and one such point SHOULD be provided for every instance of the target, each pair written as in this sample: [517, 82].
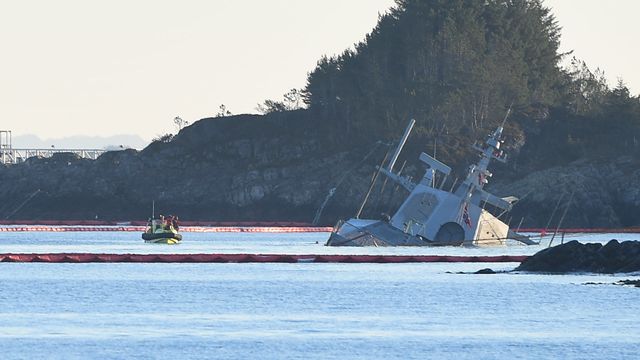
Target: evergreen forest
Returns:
[457, 66]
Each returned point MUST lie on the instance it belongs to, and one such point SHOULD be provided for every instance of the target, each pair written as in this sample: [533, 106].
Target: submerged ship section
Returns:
[431, 216]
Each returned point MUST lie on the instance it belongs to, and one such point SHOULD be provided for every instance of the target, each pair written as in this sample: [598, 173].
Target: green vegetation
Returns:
[290, 101]
[456, 66]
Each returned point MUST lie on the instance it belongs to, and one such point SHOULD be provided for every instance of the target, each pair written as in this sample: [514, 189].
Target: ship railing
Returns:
[358, 233]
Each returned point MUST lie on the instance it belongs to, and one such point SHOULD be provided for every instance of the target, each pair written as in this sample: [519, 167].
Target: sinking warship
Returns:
[431, 216]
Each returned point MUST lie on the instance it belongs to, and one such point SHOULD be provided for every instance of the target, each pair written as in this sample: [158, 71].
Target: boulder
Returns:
[485, 271]
[614, 257]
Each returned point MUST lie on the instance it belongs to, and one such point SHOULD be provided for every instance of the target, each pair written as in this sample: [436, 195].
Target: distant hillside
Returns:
[455, 66]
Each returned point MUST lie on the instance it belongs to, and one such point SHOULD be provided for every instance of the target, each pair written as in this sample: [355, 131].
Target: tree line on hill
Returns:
[456, 66]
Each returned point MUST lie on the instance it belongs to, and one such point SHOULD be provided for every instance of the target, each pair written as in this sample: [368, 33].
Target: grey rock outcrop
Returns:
[605, 194]
[614, 257]
[279, 167]
[241, 168]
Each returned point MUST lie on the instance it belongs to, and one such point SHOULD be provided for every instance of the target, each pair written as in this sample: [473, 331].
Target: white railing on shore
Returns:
[15, 156]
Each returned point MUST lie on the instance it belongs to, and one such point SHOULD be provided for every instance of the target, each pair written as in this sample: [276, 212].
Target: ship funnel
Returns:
[407, 131]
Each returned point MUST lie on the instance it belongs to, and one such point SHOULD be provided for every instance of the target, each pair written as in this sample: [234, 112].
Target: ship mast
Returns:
[472, 189]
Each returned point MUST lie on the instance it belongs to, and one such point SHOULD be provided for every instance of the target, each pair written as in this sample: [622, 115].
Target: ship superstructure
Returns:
[431, 216]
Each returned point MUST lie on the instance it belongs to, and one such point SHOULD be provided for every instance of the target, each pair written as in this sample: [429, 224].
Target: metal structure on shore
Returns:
[11, 155]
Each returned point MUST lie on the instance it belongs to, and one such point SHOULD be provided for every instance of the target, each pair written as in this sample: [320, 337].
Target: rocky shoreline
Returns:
[575, 257]
[277, 168]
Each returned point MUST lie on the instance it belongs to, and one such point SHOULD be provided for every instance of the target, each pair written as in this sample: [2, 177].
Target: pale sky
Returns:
[80, 67]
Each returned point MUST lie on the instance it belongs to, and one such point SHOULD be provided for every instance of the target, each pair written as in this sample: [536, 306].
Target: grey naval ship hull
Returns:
[432, 216]
[380, 234]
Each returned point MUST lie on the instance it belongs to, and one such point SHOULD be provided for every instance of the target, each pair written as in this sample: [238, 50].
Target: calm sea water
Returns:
[301, 311]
